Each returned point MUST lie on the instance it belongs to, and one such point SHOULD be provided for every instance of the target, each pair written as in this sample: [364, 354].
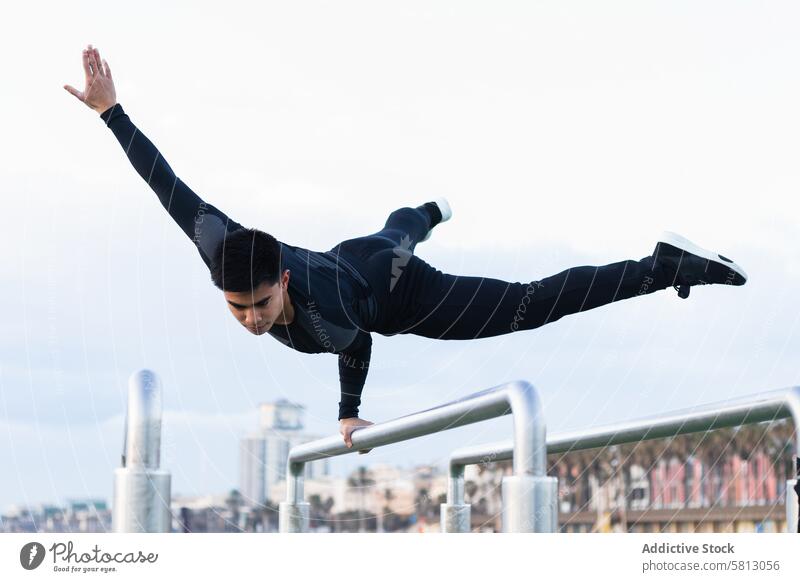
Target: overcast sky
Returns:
[563, 134]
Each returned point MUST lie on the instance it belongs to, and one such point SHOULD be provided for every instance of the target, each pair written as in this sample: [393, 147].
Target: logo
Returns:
[32, 555]
[403, 254]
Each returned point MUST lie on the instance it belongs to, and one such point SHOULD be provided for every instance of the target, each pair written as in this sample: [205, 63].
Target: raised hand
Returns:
[99, 93]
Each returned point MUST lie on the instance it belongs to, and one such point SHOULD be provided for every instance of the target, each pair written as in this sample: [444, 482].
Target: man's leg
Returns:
[405, 227]
[443, 306]
[382, 258]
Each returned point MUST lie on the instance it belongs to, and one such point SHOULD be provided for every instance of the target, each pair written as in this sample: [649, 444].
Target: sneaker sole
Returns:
[685, 244]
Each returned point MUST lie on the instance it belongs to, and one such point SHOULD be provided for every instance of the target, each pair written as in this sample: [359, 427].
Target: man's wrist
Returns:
[106, 111]
[348, 409]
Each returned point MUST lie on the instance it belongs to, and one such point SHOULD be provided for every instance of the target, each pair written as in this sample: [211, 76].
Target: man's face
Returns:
[258, 310]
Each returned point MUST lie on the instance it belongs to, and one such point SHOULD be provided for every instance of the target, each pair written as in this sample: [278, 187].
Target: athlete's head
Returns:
[246, 267]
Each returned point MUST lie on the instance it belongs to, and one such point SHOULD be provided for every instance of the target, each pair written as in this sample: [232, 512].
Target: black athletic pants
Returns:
[414, 297]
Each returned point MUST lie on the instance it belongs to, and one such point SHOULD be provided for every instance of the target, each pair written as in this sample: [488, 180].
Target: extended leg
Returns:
[443, 306]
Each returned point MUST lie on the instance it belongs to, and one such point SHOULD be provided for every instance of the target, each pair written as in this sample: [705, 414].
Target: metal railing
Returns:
[777, 404]
[529, 494]
[141, 488]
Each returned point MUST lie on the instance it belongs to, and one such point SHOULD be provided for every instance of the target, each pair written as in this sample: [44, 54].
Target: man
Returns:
[318, 302]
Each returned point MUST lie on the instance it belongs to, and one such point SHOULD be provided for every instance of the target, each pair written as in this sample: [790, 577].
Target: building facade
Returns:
[263, 454]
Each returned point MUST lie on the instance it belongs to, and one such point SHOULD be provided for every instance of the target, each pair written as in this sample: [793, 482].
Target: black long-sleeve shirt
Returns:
[332, 301]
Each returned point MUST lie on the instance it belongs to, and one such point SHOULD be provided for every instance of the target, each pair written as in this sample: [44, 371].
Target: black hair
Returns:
[246, 258]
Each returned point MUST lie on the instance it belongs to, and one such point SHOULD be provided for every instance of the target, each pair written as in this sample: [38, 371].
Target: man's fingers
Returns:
[93, 63]
[108, 69]
[99, 62]
[346, 434]
[86, 68]
[74, 91]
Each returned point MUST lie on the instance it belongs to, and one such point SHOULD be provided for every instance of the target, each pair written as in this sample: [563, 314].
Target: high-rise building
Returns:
[264, 454]
[251, 469]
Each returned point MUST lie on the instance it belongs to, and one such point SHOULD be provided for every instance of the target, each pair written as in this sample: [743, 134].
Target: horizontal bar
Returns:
[773, 405]
[518, 398]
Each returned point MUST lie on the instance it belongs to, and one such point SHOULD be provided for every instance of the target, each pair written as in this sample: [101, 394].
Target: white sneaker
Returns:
[444, 208]
[691, 264]
[446, 212]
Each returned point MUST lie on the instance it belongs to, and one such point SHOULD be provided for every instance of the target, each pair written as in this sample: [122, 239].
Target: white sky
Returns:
[563, 133]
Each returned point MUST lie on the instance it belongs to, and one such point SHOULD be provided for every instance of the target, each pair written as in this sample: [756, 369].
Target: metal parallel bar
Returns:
[518, 398]
[748, 410]
[773, 405]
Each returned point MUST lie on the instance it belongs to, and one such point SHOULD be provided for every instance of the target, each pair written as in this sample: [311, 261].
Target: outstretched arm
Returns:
[204, 224]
